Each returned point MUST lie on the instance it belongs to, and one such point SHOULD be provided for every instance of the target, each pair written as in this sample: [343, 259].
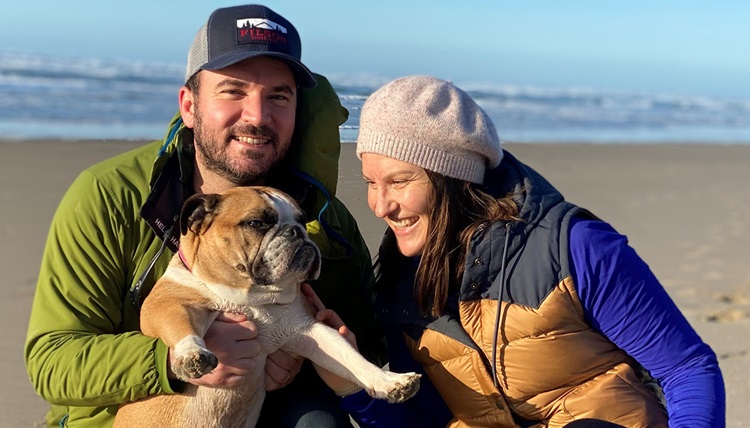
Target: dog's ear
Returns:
[198, 213]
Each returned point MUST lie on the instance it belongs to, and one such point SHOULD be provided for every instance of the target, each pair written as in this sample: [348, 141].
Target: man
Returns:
[250, 113]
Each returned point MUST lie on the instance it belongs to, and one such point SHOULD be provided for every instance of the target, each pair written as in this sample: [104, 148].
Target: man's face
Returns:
[243, 118]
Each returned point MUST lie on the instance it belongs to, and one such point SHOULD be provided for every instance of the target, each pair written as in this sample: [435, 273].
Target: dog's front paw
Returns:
[399, 387]
[193, 365]
[192, 360]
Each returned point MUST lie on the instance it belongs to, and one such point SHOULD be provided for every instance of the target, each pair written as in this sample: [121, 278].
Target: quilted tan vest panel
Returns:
[552, 368]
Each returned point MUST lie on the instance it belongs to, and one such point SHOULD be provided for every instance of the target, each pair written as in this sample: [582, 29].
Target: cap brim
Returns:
[302, 74]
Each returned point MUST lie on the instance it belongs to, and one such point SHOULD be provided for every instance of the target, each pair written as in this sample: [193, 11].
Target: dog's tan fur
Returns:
[247, 251]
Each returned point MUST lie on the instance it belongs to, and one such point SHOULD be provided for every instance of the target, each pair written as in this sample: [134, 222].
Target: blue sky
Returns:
[692, 47]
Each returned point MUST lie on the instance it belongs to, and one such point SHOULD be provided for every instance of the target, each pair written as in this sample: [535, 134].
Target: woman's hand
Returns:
[327, 316]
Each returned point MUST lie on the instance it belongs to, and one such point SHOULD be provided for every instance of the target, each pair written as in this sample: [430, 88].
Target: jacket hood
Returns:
[534, 194]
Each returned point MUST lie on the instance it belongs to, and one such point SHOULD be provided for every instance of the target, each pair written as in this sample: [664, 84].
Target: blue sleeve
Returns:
[624, 301]
[426, 409]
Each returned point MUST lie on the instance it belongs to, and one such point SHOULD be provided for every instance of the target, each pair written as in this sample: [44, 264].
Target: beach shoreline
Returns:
[684, 207]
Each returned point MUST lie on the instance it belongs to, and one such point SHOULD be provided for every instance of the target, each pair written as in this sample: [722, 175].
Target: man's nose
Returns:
[255, 110]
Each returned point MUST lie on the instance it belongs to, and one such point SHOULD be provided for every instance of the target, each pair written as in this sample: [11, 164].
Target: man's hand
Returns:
[281, 369]
[231, 338]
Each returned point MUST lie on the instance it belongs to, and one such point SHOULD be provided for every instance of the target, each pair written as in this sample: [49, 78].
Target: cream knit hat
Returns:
[431, 123]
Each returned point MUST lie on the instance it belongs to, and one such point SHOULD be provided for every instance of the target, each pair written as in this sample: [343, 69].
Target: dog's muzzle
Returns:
[288, 251]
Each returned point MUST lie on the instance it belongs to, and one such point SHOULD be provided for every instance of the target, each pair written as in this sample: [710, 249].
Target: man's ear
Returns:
[186, 99]
[198, 212]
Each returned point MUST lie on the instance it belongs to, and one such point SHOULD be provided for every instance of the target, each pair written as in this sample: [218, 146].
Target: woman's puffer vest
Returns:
[550, 366]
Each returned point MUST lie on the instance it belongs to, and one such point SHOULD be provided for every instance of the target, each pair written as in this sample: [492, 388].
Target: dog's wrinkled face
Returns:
[250, 239]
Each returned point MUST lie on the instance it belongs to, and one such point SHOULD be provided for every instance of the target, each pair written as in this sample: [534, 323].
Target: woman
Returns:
[521, 308]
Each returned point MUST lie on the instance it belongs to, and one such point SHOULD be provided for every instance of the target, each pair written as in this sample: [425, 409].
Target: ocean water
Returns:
[92, 98]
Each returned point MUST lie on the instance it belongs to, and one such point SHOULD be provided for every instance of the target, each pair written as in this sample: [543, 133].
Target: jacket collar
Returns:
[170, 184]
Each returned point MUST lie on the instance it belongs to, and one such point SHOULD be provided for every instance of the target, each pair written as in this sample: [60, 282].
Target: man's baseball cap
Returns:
[234, 34]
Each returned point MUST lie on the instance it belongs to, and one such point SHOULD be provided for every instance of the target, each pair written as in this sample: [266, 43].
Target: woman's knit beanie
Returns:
[430, 123]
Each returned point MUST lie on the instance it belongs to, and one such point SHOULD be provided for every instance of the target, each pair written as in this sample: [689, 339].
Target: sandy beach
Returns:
[685, 208]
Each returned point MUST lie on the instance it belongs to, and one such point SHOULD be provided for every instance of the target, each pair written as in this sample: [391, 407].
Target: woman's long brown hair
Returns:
[458, 208]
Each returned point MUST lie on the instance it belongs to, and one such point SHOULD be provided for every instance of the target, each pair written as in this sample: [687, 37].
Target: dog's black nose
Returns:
[291, 231]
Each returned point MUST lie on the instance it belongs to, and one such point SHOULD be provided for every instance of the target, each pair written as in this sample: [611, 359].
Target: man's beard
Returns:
[212, 149]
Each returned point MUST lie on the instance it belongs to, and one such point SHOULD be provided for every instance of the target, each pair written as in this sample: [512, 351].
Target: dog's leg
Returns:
[181, 325]
[328, 349]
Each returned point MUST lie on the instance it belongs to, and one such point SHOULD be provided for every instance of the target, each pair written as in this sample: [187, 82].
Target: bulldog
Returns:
[247, 251]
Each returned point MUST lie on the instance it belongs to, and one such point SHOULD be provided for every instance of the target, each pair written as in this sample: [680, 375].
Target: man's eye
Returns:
[279, 100]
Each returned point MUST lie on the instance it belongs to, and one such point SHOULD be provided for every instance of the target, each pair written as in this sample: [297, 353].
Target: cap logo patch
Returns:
[260, 30]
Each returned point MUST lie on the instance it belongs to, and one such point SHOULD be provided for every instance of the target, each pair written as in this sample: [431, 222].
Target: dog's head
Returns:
[250, 239]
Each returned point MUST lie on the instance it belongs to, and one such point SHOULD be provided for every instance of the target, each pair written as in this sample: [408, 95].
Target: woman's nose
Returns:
[382, 203]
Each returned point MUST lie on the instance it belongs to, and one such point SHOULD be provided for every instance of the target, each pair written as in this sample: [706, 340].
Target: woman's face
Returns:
[401, 194]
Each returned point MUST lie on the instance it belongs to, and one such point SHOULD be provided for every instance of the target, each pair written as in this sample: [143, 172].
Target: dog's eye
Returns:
[255, 224]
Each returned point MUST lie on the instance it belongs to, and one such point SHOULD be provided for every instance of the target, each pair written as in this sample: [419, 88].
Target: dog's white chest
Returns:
[275, 322]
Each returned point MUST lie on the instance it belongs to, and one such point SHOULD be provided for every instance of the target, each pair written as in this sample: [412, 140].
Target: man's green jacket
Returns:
[84, 353]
